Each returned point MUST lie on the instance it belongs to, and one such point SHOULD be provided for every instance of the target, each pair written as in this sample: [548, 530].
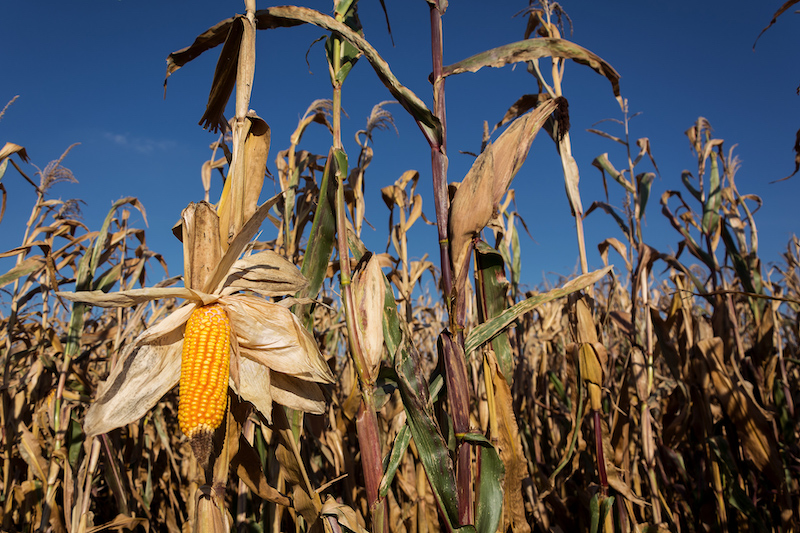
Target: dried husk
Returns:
[201, 245]
[141, 377]
[265, 272]
[369, 290]
[273, 336]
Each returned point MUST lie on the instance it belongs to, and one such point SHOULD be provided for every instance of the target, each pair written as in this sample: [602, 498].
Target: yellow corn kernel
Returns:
[205, 366]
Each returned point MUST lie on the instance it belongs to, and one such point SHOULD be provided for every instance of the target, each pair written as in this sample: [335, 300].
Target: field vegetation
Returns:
[656, 394]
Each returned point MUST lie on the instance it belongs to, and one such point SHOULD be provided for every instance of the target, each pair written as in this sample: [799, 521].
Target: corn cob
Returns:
[205, 368]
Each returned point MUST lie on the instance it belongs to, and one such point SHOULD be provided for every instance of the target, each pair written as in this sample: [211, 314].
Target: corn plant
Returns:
[292, 379]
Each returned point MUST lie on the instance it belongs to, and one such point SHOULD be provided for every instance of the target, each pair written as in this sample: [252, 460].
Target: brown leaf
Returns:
[247, 465]
[752, 423]
[122, 521]
[211, 515]
[343, 515]
[614, 479]
[237, 246]
[129, 298]
[778, 13]
[617, 245]
[31, 452]
[11, 148]
[511, 452]
[216, 35]
[137, 382]
[531, 49]
[487, 181]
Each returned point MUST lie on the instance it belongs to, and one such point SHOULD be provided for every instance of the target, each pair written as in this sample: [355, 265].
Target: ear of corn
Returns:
[205, 366]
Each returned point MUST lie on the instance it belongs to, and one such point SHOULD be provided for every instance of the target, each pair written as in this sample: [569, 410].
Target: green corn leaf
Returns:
[323, 232]
[686, 177]
[605, 165]
[516, 262]
[714, 201]
[107, 280]
[398, 452]
[27, 266]
[739, 263]
[559, 387]
[492, 287]
[428, 123]
[348, 54]
[489, 329]
[594, 512]
[489, 509]
[605, 508]
[343, 6]
[644, 182]
[83, 283]
[432, 446]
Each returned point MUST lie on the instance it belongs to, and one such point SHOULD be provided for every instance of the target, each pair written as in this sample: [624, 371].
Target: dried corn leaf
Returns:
[247, 465]
[479, 195]
[31, 451]
[216, 35]
[122, 522]
[531, 49]
[297, 394]
[239, 197]
[201, 243]
[10, 149]
[512, 454]
[785, 7]
[617, 245]
[237, 246]
[612, 472]
[131, 297]
[754, 427]
[342, 515]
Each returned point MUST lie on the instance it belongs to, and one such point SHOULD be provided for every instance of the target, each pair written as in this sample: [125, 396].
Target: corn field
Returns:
[291, 379]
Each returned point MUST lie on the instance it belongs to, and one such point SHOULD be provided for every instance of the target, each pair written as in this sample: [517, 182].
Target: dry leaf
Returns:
[479, 195]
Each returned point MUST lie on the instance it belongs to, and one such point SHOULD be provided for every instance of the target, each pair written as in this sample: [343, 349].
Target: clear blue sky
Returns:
[92, 72]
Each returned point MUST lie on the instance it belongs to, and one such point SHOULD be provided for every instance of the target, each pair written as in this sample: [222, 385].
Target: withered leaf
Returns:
[530, 49]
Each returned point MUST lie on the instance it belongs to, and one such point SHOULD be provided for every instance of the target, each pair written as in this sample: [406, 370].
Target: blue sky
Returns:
[92, 72]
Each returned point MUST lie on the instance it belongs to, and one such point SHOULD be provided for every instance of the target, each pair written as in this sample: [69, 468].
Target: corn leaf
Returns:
[489, 329]
[492, 287]
[605, 165]
[433, 451]
[323, 230]
[531, 49]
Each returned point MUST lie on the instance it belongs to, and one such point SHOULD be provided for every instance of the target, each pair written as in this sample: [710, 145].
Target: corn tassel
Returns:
[205, 367]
